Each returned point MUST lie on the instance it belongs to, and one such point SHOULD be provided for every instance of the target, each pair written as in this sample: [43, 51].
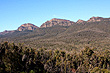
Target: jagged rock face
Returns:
[95, 19]
[80, 21]
[27, 26]
[56, 21]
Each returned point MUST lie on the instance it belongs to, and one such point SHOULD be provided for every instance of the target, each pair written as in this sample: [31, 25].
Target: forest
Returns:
[21, 59]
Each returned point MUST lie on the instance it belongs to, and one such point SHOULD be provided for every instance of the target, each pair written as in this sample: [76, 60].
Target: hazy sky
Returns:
[13, 13]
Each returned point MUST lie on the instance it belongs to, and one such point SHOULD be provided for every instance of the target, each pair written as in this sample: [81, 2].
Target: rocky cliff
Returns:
[80, 21]
[95, 19]
[27, 26]
[56, 21]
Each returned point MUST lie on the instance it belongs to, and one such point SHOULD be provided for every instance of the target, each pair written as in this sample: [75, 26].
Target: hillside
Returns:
[94, 33]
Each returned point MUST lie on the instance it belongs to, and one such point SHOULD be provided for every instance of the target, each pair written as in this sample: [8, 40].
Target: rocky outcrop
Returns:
[95, 19]
[64, 22]
[23, 27]
[56, 21]
[80, 21]
[27, 26]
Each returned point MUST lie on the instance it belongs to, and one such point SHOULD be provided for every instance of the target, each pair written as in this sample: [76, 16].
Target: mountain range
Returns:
[62, 33]
[53, 22]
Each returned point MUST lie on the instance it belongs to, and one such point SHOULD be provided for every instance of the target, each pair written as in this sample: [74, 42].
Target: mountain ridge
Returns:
[95, 19]
[56, 21]
[53, 22]
[95, 34]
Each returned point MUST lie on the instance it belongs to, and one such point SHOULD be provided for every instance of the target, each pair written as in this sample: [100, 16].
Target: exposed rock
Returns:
[80, 21]
[27, 26]
[56, 21]
[95, 19]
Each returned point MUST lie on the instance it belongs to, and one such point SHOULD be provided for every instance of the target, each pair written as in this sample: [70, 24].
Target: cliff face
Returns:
[56, 21]
[27, 26]
[64, 22]
[95, 19]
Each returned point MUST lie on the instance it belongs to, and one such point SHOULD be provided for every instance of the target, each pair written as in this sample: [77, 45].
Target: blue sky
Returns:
[14, 13]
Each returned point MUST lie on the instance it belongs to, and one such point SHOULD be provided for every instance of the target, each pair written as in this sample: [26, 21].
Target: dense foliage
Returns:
[18, 59]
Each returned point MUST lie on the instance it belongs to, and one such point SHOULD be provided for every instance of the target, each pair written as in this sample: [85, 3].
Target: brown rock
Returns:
[80, 21]
[56, 21]
[27, 26]
[95, 19]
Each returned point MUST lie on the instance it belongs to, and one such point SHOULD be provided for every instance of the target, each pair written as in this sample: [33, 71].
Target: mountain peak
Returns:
[80, 21]
[27, 26]
[56, 21]
[95, 19]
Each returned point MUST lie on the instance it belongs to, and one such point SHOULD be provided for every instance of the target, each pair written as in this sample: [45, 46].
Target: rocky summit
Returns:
[56, 21]
[27, 26]
[80, 21]
[95, 19]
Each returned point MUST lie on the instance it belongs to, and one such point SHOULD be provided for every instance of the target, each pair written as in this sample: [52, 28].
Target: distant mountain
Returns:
[63, 22]
[23, 27]
[27, 26]
[6, 32]
[95, 19]
[63, 34]
[56, 21]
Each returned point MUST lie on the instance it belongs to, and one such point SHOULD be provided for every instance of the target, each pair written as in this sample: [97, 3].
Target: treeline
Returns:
[18, 59]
